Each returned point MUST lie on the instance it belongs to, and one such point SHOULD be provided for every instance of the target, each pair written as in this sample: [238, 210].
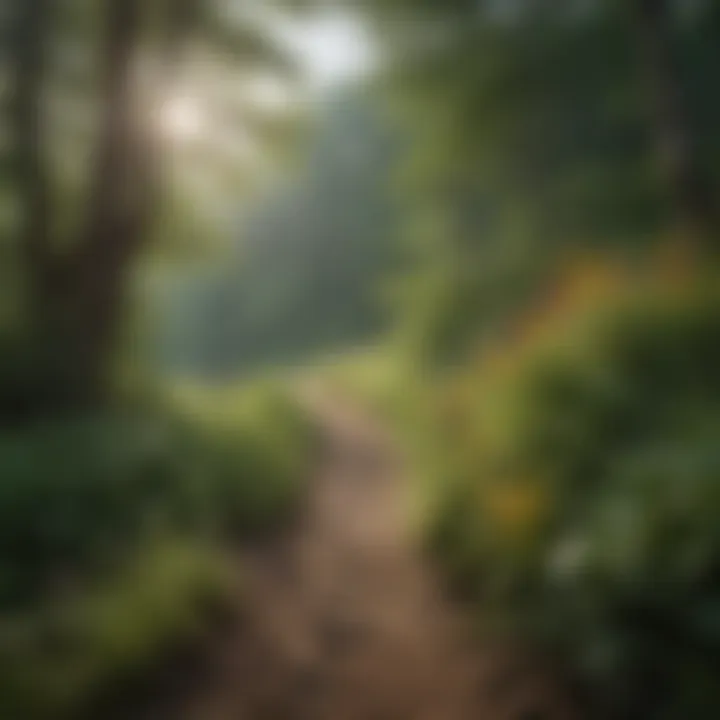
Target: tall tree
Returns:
[538, 135]
[133, 53]
[30, 31]
[676, 134]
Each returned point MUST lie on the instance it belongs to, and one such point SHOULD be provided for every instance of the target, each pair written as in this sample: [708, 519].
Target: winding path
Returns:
[345, 620]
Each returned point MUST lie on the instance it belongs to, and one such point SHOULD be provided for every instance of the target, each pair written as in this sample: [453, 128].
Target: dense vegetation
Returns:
[579, 498]
[557, 340]
[121, 493]
[548, 345]
[117, 533]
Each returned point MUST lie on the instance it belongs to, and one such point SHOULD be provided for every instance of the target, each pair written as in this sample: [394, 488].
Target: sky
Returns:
[333, 47]
[331, 43]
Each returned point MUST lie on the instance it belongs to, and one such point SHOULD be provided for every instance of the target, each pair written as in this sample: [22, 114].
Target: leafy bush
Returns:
[73, 493]
[581, 494]
[112, 529]
[56, 661]
[76, 494]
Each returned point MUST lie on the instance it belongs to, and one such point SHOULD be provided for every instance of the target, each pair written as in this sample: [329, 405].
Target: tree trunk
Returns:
[126, 186]
[31, 26]
[86, 321]
[689, 183]
[77, 303]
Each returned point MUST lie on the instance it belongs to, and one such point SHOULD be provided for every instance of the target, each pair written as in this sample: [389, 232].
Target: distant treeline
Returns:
[307, 273]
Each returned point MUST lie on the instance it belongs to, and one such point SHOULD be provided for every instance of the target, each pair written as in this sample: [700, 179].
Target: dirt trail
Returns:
[344, 620]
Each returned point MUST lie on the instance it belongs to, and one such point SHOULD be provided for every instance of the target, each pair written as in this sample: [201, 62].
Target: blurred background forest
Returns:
[493, 222]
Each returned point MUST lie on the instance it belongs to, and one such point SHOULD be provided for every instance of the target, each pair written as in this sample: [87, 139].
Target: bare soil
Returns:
[345, 619]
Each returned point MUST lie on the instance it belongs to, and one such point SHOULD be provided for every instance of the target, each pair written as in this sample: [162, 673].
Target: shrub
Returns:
[110, 530]
[56, 661]
[587, 492]
[77, 494]
[74, 493]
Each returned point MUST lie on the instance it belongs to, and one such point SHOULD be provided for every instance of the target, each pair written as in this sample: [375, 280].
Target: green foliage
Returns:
[533, 135]
[114, 530]
[572, 469]
[75, 491]
[580, 497]
[56, 661]
[251, 449]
